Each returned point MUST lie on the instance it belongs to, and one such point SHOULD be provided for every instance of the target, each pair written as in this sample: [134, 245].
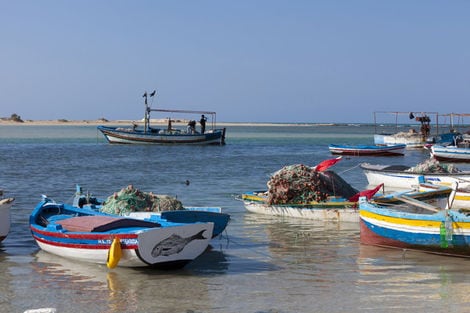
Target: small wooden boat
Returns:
[338, 208]
[333, 209]
[167, 134]
[369, 150]
[90, 236]
[415, 226]
[402, 176]
[450, 153]
[5, 207]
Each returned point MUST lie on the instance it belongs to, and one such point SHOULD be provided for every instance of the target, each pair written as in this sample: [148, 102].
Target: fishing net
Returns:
[433, 166]
[130, 199]
[297, 184]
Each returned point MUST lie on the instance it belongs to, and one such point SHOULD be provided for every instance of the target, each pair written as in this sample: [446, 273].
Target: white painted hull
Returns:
[398, 177]
[145, 252]
[450, 153]
[5, 216]
[320, 214]
[412, 141]
[129, 257]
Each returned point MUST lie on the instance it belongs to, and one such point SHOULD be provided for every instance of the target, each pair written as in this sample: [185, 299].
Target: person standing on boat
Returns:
[203, 123]
[192, 127]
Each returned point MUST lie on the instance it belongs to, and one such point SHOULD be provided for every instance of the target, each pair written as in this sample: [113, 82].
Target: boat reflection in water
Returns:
[411, 279]
[126, 289]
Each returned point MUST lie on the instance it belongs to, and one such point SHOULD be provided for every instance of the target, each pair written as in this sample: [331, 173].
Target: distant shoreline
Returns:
[153, 122]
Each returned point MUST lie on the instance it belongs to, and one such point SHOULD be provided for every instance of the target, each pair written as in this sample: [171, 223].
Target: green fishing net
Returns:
[130, 199]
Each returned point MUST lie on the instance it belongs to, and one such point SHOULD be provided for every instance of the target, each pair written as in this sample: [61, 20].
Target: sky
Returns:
[290, 61]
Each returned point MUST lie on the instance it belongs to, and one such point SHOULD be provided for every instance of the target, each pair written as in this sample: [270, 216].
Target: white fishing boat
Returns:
[5, 215]
[450, 153]
[415, 136]
[167, 134]
[404, 177]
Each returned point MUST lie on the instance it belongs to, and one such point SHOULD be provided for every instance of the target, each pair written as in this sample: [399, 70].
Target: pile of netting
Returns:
[433, 166]
[297, 184]
[130, 199]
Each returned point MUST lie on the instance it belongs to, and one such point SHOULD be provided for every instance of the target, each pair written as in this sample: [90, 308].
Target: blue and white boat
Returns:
[405, 177]
[450, 153]
[85, 235]
[369, 150]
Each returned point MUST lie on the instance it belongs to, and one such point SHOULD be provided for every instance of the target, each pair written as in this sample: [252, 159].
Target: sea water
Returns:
[260, 264]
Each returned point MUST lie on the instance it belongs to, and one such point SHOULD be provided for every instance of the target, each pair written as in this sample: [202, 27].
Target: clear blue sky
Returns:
[248, 60]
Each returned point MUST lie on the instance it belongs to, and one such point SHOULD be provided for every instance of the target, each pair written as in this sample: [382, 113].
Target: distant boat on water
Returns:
[370, 150]
[450, 153]
[168, 134]
[412, 138]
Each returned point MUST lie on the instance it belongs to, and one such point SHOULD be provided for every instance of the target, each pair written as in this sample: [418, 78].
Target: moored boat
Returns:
[418, 227]
[369, 150]
[413, 138]
[450, 153]
[405, 177]
[167, 134]
[5, 215]
[90, 236]
[332, 209]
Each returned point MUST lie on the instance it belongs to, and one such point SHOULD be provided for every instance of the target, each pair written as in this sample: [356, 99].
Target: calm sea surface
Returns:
[261, 263]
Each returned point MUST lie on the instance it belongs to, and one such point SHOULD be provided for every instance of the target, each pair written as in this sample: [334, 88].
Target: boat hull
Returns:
[398, 177]
[128, 136]
[386, 227]
[412, 141]
[335, 209]
[364, 150]
[450, 153]
[5, 217]
[338, 214]
[142, 243]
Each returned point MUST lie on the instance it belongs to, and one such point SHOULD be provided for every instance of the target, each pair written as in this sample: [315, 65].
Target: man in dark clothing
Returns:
[203, 123]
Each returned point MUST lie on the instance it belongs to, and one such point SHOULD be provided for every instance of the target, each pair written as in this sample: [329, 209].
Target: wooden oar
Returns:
[418, 203]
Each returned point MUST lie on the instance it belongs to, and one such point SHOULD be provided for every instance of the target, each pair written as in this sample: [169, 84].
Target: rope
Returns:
[351, 168]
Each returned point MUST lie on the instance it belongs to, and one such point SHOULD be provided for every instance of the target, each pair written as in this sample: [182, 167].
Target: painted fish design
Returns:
[174, 244]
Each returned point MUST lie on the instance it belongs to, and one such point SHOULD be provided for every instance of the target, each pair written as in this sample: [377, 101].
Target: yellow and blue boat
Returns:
[416, 226]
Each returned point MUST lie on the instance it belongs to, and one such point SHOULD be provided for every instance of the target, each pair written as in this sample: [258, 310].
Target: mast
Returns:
[147, 110]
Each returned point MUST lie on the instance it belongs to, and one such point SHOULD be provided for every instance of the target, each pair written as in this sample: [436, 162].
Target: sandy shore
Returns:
[129, 123]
